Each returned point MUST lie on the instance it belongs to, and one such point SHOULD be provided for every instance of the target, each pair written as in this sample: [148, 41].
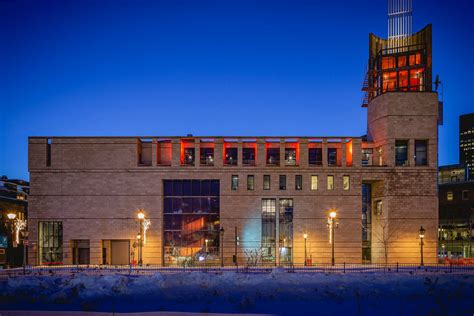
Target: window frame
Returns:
[317, 184]
[250, 183]
[236, 187]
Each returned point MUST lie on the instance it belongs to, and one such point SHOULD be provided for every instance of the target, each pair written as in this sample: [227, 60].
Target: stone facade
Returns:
[95, 185]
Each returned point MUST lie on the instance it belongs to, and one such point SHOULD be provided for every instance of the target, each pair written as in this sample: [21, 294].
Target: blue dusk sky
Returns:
[88, 68]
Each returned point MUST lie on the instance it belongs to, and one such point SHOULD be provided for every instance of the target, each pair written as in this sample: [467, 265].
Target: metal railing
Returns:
[216, 268]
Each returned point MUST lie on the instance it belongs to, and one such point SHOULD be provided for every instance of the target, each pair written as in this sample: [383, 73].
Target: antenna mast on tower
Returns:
[399, 22]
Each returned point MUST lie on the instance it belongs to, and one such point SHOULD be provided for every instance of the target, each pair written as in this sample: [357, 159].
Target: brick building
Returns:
[265, 199]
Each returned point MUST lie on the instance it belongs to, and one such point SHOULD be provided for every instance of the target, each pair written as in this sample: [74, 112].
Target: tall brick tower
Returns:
[402, 119]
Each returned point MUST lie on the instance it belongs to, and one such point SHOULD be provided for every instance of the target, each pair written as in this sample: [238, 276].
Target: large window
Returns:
[315, 156]
[290, 156]
[248, 156]
[191, 221]
[207, 156]
[282, 182]
[401, 152]
[50, 242]
[285, 219]
[298, 182]
[273, 156]
[421, 153]
[266, 182]
[231, 156]
[268, 230]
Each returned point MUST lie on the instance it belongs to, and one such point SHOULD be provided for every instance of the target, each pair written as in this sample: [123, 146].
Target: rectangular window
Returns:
[332, 156]
[314, 183]
[188, 156]
[144, 148]
[266, 182]
[248, 156]
[273, 156]
[421, 153]
[268, 240]
[449, 196]
[234, 182]
[50, 242]
[298, 182]
[401, 153]
[346, 183]
[282, 182]
[191, 215]
[207, 156]
[367, 154]
[315, 156]
[290, 156]
[250, 182]
[231, 156]
[48, 152]
[285, 220]
[330, 182]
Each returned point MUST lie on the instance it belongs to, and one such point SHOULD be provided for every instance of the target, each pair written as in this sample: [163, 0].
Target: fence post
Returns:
[344, 267]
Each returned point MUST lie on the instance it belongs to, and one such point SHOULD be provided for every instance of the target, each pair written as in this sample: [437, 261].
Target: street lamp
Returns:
[422, 236]
[331, 223]
[222, 246]
[11, 216]
[141, 219]
[305, 236]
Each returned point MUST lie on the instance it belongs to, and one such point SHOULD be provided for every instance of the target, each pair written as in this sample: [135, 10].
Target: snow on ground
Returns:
[279, 292]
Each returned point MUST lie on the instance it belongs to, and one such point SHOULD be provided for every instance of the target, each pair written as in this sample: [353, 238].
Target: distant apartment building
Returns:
[466, 142]
[456, 212]
[13, 202]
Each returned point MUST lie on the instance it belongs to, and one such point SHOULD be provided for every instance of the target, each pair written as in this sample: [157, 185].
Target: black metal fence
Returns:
[315, 268]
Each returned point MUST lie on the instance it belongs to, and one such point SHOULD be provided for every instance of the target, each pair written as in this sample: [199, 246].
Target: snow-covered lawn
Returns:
[278, 292]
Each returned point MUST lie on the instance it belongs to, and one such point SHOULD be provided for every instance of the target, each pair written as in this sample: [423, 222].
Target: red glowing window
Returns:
[403, 79]
[402, 61]
[416, 79]
[388, 62]
[415, 59]
[389, 81]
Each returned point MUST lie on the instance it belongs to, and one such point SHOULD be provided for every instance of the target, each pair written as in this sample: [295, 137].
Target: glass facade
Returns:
[285, 219]
[268, 241]
[50, 242]
[366, 222]
[191, 221]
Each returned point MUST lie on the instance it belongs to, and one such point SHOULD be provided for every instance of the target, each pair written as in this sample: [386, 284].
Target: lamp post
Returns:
[11, 217]
[222, 246]
[25, 244]
[141, 218]
[305, 236]
[422, 236]
[332, 219]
